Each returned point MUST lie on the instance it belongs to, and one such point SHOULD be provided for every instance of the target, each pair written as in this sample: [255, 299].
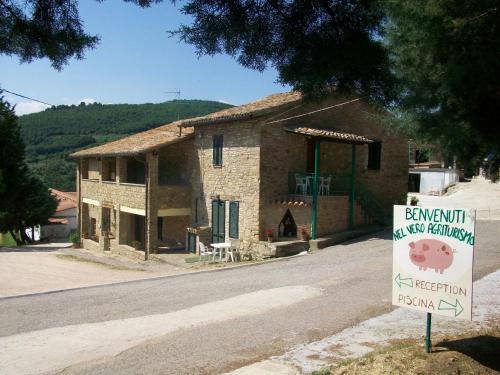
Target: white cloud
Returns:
[23, 108]
[87, 101]
[225, 101]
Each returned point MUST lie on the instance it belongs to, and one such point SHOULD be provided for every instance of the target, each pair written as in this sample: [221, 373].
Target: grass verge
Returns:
[472, 353]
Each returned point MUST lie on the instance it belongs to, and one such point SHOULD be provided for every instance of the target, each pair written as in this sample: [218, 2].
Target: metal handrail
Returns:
[341, 185]
[370, 204]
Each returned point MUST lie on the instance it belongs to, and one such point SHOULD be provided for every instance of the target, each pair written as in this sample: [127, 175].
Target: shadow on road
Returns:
[38, 249]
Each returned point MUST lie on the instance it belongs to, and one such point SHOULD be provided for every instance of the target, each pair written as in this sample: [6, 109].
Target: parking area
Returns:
[43, 268]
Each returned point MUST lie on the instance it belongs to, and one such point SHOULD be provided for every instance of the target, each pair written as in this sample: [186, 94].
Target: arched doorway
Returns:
[287, 227]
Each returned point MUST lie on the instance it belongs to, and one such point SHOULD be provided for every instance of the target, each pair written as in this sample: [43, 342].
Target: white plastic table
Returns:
[222, 246]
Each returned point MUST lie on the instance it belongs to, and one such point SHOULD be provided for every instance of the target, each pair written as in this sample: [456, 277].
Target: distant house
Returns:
[279, 165]
[430, 170]
[64, 220]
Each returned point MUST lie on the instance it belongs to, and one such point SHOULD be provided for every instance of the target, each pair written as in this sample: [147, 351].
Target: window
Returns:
[234, 211]
[160, 228]
[374, 154]
[218, 144]
[93, 229]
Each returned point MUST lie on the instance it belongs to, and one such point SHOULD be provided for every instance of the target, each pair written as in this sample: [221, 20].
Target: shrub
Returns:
[74, 237]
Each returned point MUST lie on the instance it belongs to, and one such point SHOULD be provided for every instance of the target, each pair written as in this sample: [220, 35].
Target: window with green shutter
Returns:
[217, 146]
[234, 213]
[374, 155]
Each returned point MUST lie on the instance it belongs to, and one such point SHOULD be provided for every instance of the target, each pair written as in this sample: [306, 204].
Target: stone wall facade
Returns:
[333, 216]
[284, 152]
[258, 156]
[114, 204]
[236, 180]
[125, 194]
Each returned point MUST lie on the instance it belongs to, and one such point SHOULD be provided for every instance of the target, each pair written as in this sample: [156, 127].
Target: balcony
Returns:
[132, 195]
[329, 184]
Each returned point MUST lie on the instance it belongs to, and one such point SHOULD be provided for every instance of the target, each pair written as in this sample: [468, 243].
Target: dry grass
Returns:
[472, 353]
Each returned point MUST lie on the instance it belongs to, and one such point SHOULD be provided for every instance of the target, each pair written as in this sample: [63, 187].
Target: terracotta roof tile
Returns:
[254, 109]
[337, 135]
[140, 142]
[67, 200]
[58, 220]
[163, 135]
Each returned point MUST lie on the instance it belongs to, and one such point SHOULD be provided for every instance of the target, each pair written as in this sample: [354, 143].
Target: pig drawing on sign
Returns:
[429, 253]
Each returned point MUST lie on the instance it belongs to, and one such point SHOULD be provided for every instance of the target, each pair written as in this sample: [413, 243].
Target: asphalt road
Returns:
[217, 321]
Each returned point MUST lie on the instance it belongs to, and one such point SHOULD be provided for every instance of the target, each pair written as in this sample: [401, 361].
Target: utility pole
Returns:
[177, 93]
[178, 97]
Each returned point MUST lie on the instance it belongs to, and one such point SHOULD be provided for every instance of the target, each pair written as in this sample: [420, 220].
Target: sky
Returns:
[135, 62]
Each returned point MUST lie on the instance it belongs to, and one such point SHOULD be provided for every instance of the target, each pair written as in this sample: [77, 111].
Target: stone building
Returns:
[279, 165]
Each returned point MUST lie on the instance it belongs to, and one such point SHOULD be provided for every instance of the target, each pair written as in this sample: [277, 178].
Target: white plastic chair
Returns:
[324, 185]
[231, 252]
[204, 252]
[300, 184]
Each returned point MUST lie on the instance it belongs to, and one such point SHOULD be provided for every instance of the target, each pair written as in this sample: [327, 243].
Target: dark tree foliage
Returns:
[33, 29]
[24, 200]
[446, 56]
[435, 62]
[313, 44]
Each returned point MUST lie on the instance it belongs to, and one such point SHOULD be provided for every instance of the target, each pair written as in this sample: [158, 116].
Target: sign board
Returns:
[432, 260]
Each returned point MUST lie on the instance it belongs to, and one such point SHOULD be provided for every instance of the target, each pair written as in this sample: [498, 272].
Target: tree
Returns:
[313, 44]
[434, 61]
[446, 57]
[24, 200]
[34, 29]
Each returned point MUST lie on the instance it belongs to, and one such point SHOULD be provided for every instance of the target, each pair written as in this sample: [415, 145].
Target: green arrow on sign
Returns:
[408, 281]
[457, 307]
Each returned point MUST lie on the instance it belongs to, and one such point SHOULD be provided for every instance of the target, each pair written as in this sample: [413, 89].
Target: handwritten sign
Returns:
[432, 260]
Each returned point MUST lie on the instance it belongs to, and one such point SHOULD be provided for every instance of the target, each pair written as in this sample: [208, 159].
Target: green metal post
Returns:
[352, 196]
[428, 333]
[315, 190]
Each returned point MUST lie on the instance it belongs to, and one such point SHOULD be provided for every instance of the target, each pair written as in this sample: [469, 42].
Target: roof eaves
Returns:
[333, 135]
[83, 154]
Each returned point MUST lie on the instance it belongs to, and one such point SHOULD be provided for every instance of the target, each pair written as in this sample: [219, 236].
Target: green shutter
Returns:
[217, 149]
[234, 208]
[218, 221]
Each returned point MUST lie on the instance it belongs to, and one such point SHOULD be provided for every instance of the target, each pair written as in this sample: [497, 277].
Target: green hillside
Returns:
[53, 134]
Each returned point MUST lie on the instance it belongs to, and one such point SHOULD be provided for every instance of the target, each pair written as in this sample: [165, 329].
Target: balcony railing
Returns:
[334, 184]
[300, 183]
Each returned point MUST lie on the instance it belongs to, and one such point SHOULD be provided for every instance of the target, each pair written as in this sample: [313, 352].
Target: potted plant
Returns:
[303, 235]
[74, 238]
[270, 236]
[413, 201]
[136, 244]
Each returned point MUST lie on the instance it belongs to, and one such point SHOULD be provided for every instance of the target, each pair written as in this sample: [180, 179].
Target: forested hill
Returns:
[53, 134]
